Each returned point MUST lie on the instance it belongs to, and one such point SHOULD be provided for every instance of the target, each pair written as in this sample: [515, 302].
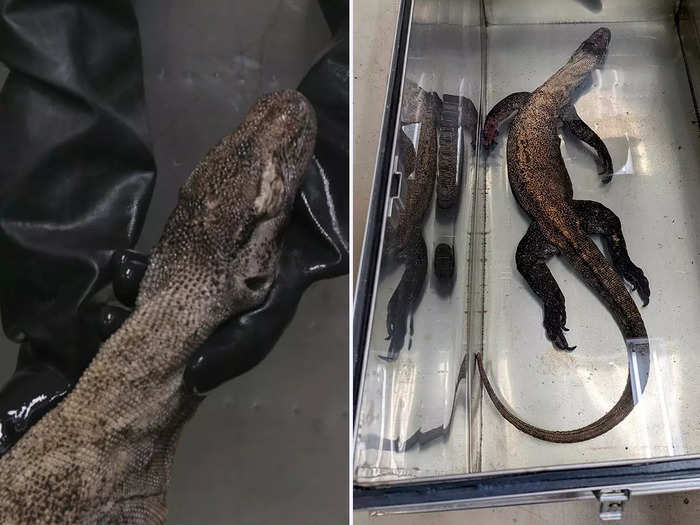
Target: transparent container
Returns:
[425, 416]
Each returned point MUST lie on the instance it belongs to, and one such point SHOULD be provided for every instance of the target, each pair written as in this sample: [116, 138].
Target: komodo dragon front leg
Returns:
[579, 129]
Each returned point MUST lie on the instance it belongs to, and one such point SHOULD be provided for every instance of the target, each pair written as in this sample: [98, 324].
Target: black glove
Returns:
[316, 243]
[77, 177]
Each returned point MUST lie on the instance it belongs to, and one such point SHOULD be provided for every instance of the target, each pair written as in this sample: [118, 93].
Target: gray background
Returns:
[272, 445]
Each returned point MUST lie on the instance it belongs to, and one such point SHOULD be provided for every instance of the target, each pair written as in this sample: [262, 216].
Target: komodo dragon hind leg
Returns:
[597, 219]
[531, 257]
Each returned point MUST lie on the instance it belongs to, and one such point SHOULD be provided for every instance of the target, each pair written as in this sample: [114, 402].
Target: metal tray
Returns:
[647, 118]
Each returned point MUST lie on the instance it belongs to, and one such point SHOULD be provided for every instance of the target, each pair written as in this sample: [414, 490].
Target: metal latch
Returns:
[611, 503]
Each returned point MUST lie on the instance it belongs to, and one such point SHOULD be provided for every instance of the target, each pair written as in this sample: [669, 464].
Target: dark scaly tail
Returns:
[601, 426]
[587, 259]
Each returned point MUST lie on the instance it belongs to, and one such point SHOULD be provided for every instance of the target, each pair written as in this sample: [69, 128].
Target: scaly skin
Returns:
[456, 112]
[405, 239]
[419, 186]
[103, 455]
[561, 225]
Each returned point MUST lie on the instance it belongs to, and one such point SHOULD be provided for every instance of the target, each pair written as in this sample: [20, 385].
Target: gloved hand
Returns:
[316, 243]
[77, 177]
[71, 261]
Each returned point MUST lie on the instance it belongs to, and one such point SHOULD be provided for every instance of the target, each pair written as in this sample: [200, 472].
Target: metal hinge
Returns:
[611, 503]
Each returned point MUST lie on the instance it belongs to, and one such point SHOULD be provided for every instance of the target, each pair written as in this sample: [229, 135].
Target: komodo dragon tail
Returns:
[585, 256]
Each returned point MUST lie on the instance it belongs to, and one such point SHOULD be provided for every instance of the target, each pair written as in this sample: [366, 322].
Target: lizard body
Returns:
[103, 455]
[435, 164]
[405, 238]
[561, 225]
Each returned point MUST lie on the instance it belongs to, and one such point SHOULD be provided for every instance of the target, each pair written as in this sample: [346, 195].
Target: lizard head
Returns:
[595, 46]
[223, 238]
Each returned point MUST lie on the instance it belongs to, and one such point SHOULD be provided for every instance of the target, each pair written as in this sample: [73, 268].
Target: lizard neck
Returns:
[561, 85]
[120, 424]
[140, 367]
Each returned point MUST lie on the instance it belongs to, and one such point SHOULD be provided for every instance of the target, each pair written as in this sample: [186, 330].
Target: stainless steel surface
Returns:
[270, 446]
[452, 12]
[420, 392]
[568, 11]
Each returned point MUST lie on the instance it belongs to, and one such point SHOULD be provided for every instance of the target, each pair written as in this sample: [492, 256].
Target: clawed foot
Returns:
[394, 349]
[396, 321]
[635, 276]
[606, 173]
[555, 325]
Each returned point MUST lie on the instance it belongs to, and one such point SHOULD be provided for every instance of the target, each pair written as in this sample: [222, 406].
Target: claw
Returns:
[606, 180]
[638, 282]
[555, 333]
[561, 343]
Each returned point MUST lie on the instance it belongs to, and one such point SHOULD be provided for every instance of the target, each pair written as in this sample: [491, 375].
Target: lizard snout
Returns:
[595, 45]
[600, 38]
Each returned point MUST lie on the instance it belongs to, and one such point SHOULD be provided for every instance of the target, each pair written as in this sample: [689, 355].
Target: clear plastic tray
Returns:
[419, 418]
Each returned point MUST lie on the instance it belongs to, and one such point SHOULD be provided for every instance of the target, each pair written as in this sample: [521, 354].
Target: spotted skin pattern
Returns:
[104, 454]
[561, 225]
[405, 240]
